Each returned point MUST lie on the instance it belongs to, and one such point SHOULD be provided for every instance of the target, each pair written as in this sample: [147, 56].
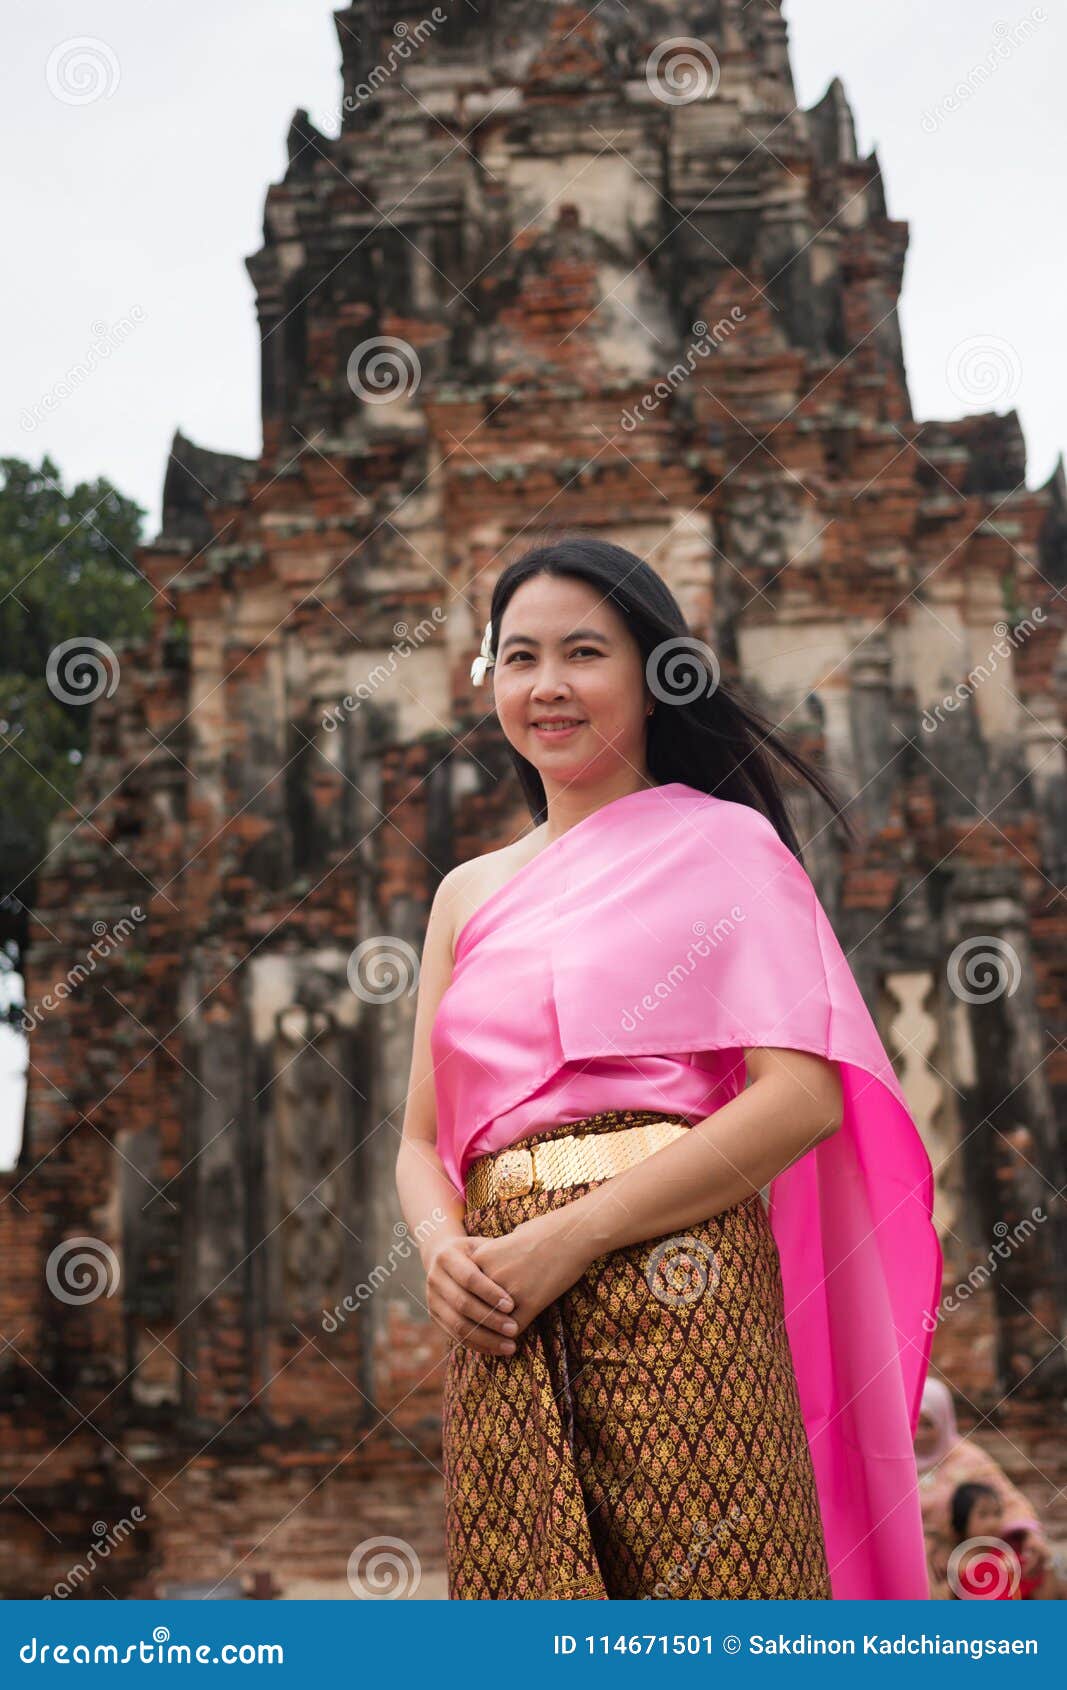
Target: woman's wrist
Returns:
[564, 1234]
[445, 1232]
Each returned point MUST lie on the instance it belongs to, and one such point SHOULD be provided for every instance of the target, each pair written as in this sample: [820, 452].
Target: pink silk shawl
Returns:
[669, 920]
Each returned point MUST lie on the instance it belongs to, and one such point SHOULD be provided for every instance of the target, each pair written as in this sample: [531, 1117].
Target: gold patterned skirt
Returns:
[645, 1439]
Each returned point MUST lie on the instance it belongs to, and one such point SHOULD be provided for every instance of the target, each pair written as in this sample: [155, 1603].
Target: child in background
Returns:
[982, 1567]
[1033, 1571]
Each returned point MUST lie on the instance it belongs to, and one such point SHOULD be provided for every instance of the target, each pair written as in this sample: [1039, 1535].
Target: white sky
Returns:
[148, 201]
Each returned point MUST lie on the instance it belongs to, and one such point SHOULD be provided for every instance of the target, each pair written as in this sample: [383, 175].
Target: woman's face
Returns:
[925, 1434]
[985, 1517]
[564, 651]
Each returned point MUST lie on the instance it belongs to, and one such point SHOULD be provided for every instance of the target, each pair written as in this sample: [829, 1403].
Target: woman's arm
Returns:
[793, 1102]
[463, 1298]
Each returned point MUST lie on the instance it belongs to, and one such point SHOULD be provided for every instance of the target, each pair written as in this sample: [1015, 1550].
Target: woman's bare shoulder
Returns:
[468, 885]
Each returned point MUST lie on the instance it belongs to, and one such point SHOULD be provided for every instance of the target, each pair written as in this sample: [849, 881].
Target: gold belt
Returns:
[570, 1160]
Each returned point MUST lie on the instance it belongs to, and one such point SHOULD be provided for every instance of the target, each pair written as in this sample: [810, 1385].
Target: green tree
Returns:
[66, 573]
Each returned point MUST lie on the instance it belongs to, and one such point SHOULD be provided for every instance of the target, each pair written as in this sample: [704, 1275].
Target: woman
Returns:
[656, 1388]
[945, 1462]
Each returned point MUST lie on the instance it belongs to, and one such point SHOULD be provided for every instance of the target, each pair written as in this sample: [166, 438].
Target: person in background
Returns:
[945, 1461]
[1030, 1560]
[983, 1568]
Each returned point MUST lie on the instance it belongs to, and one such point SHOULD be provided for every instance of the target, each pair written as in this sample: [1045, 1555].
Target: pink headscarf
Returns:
[937, 1404]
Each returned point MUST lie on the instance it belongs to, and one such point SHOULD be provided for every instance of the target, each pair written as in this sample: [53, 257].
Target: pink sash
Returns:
[672, 921]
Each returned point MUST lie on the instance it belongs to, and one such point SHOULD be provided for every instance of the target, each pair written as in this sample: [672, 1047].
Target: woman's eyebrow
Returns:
[575, 634]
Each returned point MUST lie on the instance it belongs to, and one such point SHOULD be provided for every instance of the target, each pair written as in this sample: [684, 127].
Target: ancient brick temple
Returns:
[532, 276]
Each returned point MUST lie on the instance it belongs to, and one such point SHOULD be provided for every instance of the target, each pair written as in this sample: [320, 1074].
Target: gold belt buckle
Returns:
[514, 1172]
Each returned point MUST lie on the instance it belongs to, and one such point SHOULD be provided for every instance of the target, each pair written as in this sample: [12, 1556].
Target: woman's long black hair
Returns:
[702, 734]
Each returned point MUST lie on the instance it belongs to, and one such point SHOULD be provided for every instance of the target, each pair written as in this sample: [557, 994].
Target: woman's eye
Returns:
[577, 652]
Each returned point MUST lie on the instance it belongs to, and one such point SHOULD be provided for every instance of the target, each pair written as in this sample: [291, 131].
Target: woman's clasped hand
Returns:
[483, 1292]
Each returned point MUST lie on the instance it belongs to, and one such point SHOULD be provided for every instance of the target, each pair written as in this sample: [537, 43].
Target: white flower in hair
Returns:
[485, 658]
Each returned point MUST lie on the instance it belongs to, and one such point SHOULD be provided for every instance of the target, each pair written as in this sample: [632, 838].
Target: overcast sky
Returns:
[138, 208]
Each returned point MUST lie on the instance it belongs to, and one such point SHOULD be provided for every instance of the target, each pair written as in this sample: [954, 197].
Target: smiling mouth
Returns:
[557, 727]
